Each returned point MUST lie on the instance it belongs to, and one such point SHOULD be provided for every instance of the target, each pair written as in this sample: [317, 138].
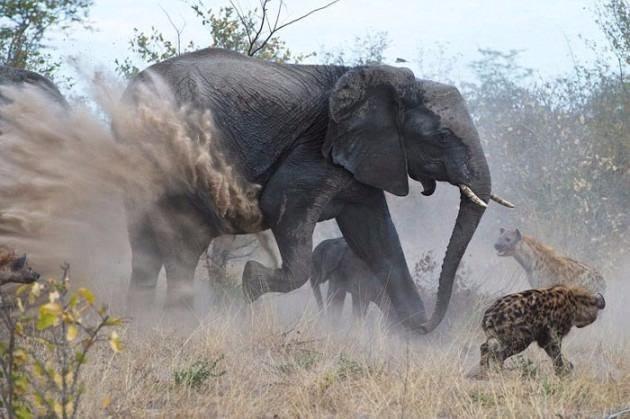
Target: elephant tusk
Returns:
[472, 196]
[501, 201]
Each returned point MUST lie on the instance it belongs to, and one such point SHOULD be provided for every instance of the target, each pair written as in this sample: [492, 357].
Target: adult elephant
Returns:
[19, 77]
[323, 142]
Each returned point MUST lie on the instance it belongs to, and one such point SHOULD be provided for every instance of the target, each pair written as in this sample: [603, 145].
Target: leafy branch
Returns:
[47, 333]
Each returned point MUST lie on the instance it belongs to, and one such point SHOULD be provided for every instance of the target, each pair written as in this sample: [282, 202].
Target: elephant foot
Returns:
[140, 299]
[255, 280]
[178, 298]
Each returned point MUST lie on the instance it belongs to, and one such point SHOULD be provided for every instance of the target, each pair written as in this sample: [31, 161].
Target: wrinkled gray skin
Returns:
[14, 76]
[323, 142]
[335, 263]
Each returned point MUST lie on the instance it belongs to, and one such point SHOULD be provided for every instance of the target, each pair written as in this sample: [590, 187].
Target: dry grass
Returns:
[255, 364]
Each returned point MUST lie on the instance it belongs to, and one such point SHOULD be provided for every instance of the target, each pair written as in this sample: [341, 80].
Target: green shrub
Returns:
[197, 373]
[47, 331]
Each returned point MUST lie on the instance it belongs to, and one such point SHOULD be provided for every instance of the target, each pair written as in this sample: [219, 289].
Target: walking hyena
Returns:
[543, 315]
[544, 266]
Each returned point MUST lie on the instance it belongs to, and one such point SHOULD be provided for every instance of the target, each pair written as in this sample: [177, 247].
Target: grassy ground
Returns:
[259, 362]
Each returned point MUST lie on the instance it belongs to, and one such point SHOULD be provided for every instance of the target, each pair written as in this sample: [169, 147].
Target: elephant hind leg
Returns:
[180, 265]
[336, 298]
[317, 278]
[317, 292]
[183, 236]
[146, 263]
[360, 303]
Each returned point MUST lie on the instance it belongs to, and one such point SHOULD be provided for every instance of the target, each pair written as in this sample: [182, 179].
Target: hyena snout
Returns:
[600, 302]
[26, 273]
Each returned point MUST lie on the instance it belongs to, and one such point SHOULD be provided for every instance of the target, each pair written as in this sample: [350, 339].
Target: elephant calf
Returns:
[334, 261]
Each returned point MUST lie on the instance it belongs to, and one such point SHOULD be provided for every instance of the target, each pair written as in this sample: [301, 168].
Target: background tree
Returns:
[365, 50]
[250, 32]
[613, 18]
[25, 24]
[560, 148]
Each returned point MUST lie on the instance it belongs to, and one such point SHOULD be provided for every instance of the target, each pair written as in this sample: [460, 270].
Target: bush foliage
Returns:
[47, 330]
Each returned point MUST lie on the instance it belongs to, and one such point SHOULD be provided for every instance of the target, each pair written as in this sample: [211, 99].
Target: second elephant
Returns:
[335, 263]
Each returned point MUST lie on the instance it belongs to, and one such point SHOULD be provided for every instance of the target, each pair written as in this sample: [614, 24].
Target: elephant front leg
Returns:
[292, 203]
[370, 233]
[294, 237]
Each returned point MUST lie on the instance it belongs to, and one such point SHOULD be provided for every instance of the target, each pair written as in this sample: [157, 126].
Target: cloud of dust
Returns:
[64, 175]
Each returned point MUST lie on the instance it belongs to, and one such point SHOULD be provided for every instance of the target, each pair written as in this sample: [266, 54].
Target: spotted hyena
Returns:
[15, 269]
[545, 267]
[544, 316]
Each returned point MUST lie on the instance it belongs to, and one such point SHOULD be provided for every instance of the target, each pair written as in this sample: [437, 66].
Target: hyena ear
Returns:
[501, 230]
[518, 234]
[19, 263]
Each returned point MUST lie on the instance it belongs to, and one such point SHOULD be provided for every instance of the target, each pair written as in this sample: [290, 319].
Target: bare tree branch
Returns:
[178, 30]
[277, 28]
[263, 18]
[243, 21]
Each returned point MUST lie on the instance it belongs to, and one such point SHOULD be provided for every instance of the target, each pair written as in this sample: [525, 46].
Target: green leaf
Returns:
[87, 295]
[22, 289]
[45, 321]
[71, 333]
[113, 321]
[48, 315]
[22, 412]
[115, 342]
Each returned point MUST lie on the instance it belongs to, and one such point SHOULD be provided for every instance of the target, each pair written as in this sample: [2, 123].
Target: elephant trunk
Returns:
[468, 217]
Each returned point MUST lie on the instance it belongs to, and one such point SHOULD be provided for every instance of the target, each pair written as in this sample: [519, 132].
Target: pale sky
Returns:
[547, 30]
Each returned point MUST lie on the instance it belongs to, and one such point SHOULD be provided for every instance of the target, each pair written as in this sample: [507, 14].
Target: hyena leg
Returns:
[513, 348]
[491, 356]
[553, 347]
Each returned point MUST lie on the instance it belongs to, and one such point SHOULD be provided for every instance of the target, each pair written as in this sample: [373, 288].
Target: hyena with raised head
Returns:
[545, 267]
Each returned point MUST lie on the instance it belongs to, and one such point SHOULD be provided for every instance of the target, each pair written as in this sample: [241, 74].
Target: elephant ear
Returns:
[366, 110]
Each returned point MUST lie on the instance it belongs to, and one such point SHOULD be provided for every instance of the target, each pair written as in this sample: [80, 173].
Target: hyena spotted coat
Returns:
[545, 267]
[544, 316]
